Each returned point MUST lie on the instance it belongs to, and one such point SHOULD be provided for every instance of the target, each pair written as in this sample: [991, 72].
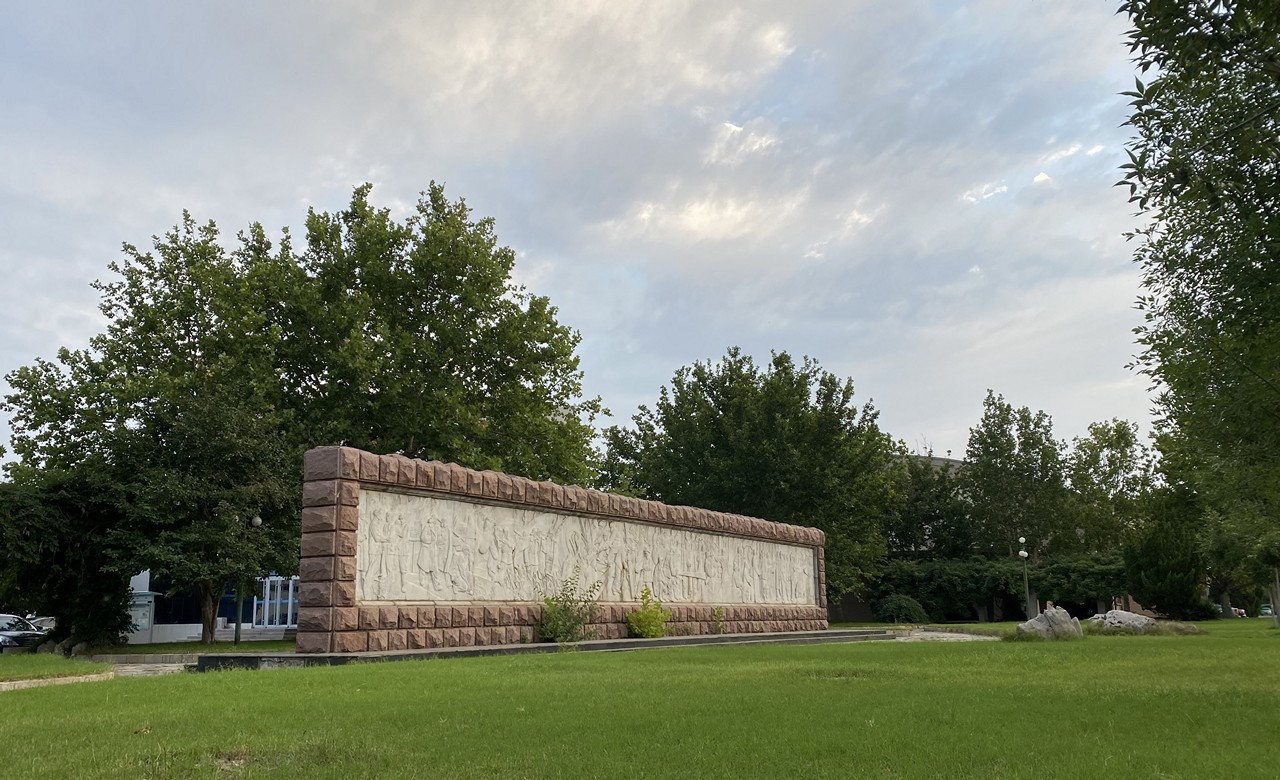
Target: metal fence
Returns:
[277, 606]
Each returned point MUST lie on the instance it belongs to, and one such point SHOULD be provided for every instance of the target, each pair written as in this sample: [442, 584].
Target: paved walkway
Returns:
[148, 670]
[14, 685]
[925, 635]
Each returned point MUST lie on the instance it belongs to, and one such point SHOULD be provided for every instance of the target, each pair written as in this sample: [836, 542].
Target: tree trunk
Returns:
[1224, 602]
[210, 594]
[1275, 599]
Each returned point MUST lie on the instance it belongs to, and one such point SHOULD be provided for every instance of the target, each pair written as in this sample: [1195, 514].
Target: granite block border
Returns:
[331, 621]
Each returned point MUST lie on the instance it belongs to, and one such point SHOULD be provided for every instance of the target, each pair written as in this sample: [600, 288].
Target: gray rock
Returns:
[1128, 621]
[1053, 623]
[80, 649]
[48, 646]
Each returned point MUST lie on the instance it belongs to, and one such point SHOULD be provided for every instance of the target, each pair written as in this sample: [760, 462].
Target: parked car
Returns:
[45, 624]
[17, 635]
[1265, 611]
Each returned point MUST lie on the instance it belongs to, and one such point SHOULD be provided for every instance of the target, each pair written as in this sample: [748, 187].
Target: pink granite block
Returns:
[315, 619]
[344, 594]
[344, 543]
[344, 568]
[426, 617]
[313, 642]
[388, 470]
[388, 617]
[351, 642]
[408, 617]
[315, 594]
[315, 569]
[346, 618]
[319, 519]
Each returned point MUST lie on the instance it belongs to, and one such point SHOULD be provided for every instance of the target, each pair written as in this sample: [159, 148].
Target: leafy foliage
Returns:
[934, 517]
[421, 344]
[898, 608]
[218, 368]
[786, 443]
[649, 621]
[566, 613]
[1014, 479]
[60, 553]
[1202, 170]
[1163, 562]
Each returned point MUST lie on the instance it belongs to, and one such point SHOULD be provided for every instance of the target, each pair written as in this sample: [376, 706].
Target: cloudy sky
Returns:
[916, 194]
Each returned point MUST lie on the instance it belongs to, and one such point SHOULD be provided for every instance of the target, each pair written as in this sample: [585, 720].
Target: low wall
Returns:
[406, 554]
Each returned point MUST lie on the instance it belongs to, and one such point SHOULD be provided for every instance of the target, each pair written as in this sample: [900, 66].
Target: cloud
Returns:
[853, 181]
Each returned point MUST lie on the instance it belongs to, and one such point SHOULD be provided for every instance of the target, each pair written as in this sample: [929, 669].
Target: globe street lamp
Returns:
[253, 522]
[1032, 609]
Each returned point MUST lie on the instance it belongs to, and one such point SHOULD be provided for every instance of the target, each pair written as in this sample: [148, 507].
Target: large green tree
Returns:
[60, 554]
[1110, 475]
[1014, 480]
[786, 443]
[424, 346]
[1204, 173]
[933, 520]
[219, 367]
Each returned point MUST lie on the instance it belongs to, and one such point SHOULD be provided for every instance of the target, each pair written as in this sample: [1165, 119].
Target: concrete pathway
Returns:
[927, 635]
[148, 670]
[14, 685]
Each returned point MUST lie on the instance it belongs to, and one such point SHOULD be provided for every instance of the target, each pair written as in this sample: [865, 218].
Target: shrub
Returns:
[566, 614]
[650, 620]
[898, 608]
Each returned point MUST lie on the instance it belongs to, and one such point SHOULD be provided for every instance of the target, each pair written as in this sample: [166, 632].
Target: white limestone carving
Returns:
[424, 548]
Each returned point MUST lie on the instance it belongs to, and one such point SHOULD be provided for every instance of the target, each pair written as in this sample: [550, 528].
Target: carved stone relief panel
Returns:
[424, 548]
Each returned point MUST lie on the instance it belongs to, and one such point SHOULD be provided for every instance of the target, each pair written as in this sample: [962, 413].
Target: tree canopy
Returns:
[1203, 172]
[219, 367]
[785, 443]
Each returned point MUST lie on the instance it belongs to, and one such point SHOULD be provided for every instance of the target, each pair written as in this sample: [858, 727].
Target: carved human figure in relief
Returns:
[431, 544]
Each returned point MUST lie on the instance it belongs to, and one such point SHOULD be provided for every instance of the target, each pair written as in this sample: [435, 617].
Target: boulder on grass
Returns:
[1053, 623]
[1125, 621]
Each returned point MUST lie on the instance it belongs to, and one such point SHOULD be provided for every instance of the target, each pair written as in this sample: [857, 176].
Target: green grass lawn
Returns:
[29, 666]
[1198, 706]
[264, 646]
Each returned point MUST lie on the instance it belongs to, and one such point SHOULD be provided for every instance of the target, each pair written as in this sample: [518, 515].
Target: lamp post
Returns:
[1032, 609]
[253, 522]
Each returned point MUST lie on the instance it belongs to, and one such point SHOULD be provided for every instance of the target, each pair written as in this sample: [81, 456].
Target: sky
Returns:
[916, 194]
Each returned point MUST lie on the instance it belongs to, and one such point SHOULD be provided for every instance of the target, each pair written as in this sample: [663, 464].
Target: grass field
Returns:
[29, 666]
[1201, 706]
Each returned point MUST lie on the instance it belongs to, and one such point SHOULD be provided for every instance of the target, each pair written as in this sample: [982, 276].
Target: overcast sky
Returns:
[916, 194]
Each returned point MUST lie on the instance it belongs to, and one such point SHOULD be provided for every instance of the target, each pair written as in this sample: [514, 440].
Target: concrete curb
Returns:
[15, 685]
[285, 660]
[144, 658]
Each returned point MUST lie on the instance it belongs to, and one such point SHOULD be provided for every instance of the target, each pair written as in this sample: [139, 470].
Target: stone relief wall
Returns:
[400, 554]
[421, 548]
